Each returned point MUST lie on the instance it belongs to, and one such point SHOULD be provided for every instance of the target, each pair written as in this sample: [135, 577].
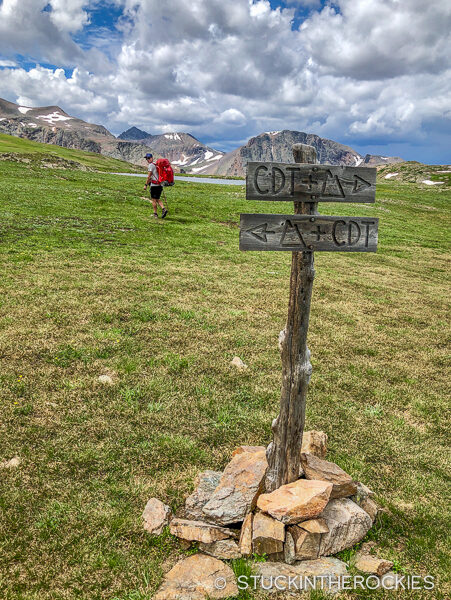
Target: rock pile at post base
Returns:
[229, 515]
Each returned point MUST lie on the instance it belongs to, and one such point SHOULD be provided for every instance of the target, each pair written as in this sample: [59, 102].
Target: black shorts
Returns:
[155, 191]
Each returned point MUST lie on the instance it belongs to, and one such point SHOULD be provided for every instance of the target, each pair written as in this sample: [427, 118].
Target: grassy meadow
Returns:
[92, 285]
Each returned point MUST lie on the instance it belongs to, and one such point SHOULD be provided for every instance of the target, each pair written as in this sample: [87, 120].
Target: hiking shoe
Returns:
[164, 213]
[155, 215]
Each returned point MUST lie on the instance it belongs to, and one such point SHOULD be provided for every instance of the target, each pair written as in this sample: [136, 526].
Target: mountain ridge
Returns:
[52, 125]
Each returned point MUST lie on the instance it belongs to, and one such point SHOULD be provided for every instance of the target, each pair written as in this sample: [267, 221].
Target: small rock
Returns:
[323, 470]
[370, 507]
[371, 564]
[239, 487]
[105, 379]
[315, 526]
[206, 484]
[289, 548]
[12, 463]
[225, 549]
[238, 363]
[246, 536]
[320, 568]
[348, 524]
[197, 531]
[297, 501]
[363, 492]
[314, 442]
[268, 535]
[156, 516]
[389, 581]
[196, 578]
[306, 544]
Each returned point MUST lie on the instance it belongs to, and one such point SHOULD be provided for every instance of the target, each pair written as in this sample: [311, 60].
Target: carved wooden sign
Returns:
[309, 183]
[307, 232]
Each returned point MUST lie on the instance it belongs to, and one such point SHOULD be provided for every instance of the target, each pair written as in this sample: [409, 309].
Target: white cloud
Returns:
[357, 71]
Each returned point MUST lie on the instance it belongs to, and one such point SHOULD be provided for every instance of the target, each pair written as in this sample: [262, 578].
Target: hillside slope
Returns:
[33, 153]
[52, 125]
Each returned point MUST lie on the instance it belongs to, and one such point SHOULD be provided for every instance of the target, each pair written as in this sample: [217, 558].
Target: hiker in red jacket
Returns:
[155, 187]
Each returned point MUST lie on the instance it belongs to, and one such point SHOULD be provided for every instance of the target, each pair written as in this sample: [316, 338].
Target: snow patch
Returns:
[172, 136]
[3, 119]
[443, 171]
[53, 117]
[217, 157]
[199, 169]
[208, 155]
[195, 161]
[429, 182]
[390, 175]
[273, 132]
[23, 109]
[184, 160]
[32, 125]
[358, 161]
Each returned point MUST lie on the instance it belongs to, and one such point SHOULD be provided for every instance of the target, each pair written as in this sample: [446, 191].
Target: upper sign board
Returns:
[309, 183]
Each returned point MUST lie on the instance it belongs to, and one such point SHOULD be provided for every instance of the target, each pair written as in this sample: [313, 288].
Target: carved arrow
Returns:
[260, 232]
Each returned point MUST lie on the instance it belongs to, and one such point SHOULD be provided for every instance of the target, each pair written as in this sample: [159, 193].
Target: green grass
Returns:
[91, 284]
[42, 155]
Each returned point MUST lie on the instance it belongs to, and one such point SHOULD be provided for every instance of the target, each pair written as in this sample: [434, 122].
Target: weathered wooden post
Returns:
[302, 233]
[284, 453]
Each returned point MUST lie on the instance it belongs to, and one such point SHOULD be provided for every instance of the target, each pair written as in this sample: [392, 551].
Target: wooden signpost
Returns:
[305, 183]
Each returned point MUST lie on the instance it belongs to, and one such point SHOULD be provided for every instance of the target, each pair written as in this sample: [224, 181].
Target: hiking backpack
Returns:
[165, 172]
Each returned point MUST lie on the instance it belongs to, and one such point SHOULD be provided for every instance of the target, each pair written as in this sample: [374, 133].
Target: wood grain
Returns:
[308, 233]
[306, 183]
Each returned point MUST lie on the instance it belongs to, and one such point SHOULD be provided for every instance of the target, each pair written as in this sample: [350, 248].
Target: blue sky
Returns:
[373, 74]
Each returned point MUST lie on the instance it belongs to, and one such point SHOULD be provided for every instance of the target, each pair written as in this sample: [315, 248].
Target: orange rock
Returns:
[314, 442]
[197, 578]
[156, 516]
[239, 487]
[297, 501]
[198, 531]
[246, 536]
[315, 526]
[323, 470]
[372, 564]
[306, 544]
[268, 535]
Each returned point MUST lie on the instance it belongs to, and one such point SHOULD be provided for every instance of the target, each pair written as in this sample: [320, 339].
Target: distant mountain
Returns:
[133, 134]
[375, 160]
[277, 146]
[183, 150]
[51, 125]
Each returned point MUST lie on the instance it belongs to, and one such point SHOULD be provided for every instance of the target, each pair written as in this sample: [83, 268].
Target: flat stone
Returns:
[315, 443]
[389, 581]
[306, 544]
[315, 526]
[206, 484]
[156, 516]
[297, 501]
[370, 507]
[12, 463]
[239, 487]
[321, 567]
[323, 470]
[245, 542]
[371, 564]
[106, 379]
[238, 363]
[225, 549]
[289, 548]
[194, 578]
[268, 534]
[348, 524]
[198, 531]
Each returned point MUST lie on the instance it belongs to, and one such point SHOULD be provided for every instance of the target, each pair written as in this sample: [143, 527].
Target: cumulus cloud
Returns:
[358, 71]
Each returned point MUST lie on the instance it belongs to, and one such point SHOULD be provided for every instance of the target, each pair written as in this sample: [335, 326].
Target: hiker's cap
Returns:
[148, 155]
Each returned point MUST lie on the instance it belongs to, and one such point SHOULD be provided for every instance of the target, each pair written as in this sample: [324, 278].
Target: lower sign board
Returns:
[308, 233]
